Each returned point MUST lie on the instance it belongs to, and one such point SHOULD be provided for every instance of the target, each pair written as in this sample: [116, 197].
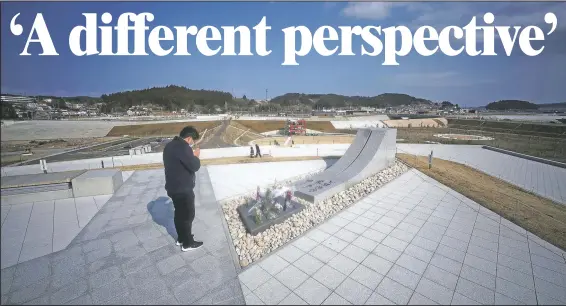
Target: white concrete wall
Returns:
[154, 158]
[357, 124]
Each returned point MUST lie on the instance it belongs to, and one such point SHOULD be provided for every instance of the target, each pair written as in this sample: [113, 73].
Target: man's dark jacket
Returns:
[180, 166]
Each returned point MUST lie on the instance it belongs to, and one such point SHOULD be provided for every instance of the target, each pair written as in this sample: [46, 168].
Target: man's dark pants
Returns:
[184, 215]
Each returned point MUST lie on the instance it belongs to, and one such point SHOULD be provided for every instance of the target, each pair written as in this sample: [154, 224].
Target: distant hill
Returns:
[169, 97]
[511, 105]
[333, 100]
[561, 105]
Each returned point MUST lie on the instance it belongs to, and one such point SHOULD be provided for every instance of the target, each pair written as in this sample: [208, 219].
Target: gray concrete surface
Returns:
[127, 255]
[60, 193]
[414, 241]
[332, 177]
[351, 154]
[38, 226]
[377, 154]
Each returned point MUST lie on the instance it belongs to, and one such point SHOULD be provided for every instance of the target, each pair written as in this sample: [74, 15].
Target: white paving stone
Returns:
[462, 261]
[32, 230]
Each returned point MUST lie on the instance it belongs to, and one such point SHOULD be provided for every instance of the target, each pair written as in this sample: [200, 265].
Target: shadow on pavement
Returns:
[162, 213]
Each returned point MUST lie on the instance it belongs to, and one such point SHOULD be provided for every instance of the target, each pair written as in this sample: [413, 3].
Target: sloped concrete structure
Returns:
[372, 151]
[342, 164]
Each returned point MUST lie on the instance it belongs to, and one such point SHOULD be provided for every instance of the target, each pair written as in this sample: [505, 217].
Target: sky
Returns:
[468, 81]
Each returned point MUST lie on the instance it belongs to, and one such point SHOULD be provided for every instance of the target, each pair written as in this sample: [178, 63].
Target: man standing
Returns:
[257, 151]
[181, 165]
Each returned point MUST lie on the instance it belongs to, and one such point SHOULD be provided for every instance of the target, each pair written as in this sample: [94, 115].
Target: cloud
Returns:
[370, 10]
[440, 15]
[436, 79]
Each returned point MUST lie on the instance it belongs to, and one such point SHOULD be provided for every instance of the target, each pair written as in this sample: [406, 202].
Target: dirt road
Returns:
[217, 141]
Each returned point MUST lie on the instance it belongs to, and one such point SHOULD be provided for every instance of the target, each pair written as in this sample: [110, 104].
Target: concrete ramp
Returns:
[342, 164]
[372, 151]
[378, 154]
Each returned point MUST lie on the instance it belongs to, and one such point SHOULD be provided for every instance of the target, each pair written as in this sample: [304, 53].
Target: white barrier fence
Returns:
[156, 158]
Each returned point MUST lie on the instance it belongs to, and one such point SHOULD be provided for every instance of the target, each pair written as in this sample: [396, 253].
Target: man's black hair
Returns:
[189, 131]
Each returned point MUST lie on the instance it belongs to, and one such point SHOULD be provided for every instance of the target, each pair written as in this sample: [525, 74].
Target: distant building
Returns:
[16, 99]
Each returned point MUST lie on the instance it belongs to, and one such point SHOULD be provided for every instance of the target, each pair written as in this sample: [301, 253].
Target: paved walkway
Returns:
[542, 179]
[31, 230]
[414, 241]
[127, 255]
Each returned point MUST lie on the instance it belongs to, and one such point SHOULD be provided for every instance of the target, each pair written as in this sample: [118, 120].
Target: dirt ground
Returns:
[262, 126]
[544, 147]
[12, 149]
[541, 216]
[21, 145]
[308, 140]
[160, 129]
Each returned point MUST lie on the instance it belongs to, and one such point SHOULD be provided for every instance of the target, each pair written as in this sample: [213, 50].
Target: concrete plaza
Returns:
[35, 229]
[412, 241]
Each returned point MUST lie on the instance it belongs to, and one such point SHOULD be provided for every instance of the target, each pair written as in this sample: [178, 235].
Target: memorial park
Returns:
[367, 218]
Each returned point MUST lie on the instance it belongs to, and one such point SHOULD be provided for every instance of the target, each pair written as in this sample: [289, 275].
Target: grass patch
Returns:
[536, 214]
[160, 129]
[527, 128]
[231, 160]
[543, 147]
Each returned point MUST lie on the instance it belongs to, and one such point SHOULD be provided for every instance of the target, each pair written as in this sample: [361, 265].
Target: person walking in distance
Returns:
[257, 151]
[181, 164]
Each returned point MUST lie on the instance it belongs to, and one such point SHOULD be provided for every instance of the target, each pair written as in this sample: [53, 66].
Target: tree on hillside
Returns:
[319, 101]
[169, 97]
[59, 103]
[511, 104]
[8, 111]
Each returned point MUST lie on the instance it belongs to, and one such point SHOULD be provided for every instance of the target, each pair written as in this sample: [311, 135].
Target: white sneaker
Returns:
[193, 246]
